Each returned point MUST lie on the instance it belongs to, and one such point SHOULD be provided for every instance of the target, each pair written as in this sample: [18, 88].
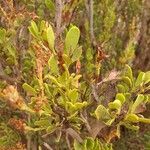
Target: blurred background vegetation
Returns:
[112, 32]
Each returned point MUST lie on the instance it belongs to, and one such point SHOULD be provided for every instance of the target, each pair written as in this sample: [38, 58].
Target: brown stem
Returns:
[58, 15]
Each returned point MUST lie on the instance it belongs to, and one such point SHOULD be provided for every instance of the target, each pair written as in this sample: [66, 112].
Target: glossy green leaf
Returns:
[127, 80]
[44, 122]
[102, 113]
[71, 40]
[51, 129]
[89, 143]
[131, 126]
[53, 65]
[50, 5]
[47, 91]
[50, 38]
[47, 110]
[76, 54]
[140, 79]
[129, 72]
[79, 105]
[138, 101]
[76, 106]
[77, 145]
[67, 59]
[116, 104]
[34, 29]
[89, 55]
[144, 120]
[71, 106]
[73, 95]
[12, 51]
[42, 26]
[2, 35]
[147, 77]
[97, 145]
[120, 97]
[121, 88]
[54, 80]
[29, 89]
[132, 118]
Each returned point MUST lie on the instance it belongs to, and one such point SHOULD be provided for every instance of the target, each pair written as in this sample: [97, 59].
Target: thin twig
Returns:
[58, 15]
[28, 137]
[86, 122]
[94, 92]
[68, 142]
[47, 146]
[92, 36]
[91, 19]
[60, 31]
[87, 7]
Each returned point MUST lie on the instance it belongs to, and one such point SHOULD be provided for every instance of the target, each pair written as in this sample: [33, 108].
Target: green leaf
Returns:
[2, 35]
[12, 51]
[121, 88]
[50, 5]
[71, 40]
[54, 80]
[73, 95]
[132, 118]
[47, 91]
[51, 129]
[144, 120]
[131, 126]
[120, 97]
[147, 77]
[129, 72]
[42, 26]
[116, 104]
[75, 81]
[47, 110]
[50, 38]
[127, 80]
[140, 79]
[29, 89]
[71, 106]
[53, 64]
[34, 26]
[89, 143]
[63, 78]
[97, 145]
[44, 122]
[66, 70]
[76, 106]
[43, 30]
[89, 55]
[79, 105]
[76, 54]
[34, 29]
[138, 101]
[77, 145]
[67, 60]
[102, 113]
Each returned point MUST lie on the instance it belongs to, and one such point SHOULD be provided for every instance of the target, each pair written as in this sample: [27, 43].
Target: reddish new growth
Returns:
[17, 124]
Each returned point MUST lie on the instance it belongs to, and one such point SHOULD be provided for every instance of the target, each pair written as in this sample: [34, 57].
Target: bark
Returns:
[142, 60]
